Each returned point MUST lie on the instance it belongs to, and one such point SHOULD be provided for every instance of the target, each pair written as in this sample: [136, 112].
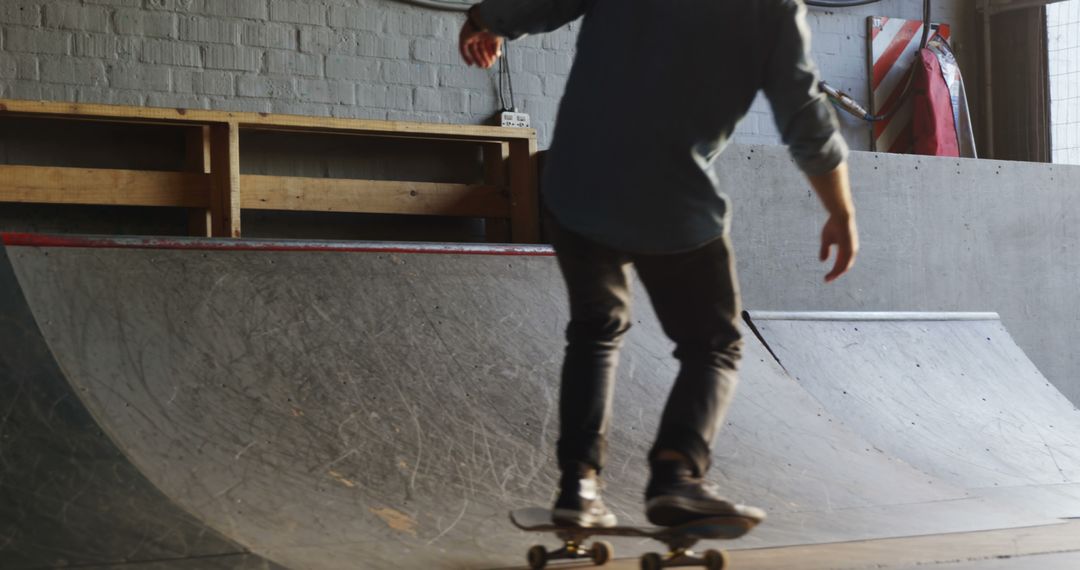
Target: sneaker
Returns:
[675, 496]
[579, 503]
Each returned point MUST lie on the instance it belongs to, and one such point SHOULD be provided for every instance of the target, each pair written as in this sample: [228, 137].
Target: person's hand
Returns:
[478, 46]
[840, 231]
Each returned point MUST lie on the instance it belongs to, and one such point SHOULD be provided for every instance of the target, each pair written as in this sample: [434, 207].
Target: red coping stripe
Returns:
[202, 244]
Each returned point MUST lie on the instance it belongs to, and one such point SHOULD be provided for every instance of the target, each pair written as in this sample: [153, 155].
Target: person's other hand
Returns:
[840, 231]
[478, 46]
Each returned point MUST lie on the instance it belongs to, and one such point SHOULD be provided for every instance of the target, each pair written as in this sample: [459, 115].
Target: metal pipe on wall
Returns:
[988, 85]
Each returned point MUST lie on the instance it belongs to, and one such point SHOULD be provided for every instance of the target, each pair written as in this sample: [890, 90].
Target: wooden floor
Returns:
[1055, 547]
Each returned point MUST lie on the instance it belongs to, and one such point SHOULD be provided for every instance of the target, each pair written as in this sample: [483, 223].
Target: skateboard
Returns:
[679, 540]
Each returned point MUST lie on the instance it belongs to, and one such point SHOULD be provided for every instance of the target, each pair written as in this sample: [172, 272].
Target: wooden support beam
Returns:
[225, 173]
[157, 115]
[372, 196]
[524, 196]
[197, 159]
[102, 187]
[496, 161]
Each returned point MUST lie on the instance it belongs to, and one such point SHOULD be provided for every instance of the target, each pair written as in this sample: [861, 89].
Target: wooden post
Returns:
[496, 157]
[197, 159]
[524, 196]
[225, 173]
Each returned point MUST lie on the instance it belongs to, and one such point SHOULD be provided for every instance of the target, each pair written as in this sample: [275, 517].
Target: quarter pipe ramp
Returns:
[317, 405]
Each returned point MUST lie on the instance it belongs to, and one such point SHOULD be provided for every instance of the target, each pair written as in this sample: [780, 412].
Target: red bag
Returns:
[934, 124]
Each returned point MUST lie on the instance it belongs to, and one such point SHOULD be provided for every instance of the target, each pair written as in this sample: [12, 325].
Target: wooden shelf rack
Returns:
[215, 191]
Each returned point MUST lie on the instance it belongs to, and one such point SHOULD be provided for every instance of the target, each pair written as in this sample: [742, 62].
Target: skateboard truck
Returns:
[573, 548]
[680, 555]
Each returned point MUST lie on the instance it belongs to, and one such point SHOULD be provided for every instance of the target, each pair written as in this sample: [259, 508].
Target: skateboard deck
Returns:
[679, 540]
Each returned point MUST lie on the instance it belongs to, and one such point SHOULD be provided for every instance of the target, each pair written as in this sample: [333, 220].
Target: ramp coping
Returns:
[871, 316]
[229, 244]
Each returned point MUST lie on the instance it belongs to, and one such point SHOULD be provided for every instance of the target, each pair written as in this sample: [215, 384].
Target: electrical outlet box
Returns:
[512, 119]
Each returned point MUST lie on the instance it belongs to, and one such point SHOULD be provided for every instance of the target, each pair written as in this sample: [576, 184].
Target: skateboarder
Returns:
[654, 95]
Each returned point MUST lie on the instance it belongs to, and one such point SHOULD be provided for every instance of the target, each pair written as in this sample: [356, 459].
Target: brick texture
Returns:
[343, 58]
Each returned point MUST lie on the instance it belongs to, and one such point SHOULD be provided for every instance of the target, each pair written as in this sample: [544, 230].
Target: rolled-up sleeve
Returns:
[516, 18]
[804, 116]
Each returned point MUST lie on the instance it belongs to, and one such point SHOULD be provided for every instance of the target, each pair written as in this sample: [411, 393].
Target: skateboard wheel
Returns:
[715, 560]
[537, 557]
[601, 552]
[652, 561]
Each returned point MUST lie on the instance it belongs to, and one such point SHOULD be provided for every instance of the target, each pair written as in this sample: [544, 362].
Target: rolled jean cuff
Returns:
[686, 441]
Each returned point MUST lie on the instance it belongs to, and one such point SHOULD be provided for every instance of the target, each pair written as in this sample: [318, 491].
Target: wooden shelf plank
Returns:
[373, 196]
[93, 186]
[215, 190]
[87, 111]
[99, 186]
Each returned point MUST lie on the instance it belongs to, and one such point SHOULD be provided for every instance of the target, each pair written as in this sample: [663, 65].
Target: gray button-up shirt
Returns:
[654, 96]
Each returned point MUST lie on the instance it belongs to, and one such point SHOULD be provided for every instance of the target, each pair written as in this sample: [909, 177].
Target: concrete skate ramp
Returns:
[950, 394]
[68, 496]
[342, 406]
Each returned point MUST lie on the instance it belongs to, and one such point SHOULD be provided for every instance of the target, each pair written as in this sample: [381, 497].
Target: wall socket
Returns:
[514, 119]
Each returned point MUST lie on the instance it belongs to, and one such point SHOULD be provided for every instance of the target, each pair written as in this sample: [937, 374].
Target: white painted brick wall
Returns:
[68, 16]
[125, 75]
[209, 30]
[347, 58]
[142, 23]
[26, 15]
[235, 58]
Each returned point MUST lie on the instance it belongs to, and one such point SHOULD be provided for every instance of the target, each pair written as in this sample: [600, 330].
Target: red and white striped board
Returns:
[894, 45]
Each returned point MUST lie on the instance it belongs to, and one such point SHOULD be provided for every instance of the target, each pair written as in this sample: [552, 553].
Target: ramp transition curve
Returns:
[341, 406]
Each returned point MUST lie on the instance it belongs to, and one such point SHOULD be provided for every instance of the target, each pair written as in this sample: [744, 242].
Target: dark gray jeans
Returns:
[696, 296]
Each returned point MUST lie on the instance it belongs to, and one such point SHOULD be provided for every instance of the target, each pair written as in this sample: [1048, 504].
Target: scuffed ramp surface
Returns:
[68, 496]
[387, 409]
[950, 394]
